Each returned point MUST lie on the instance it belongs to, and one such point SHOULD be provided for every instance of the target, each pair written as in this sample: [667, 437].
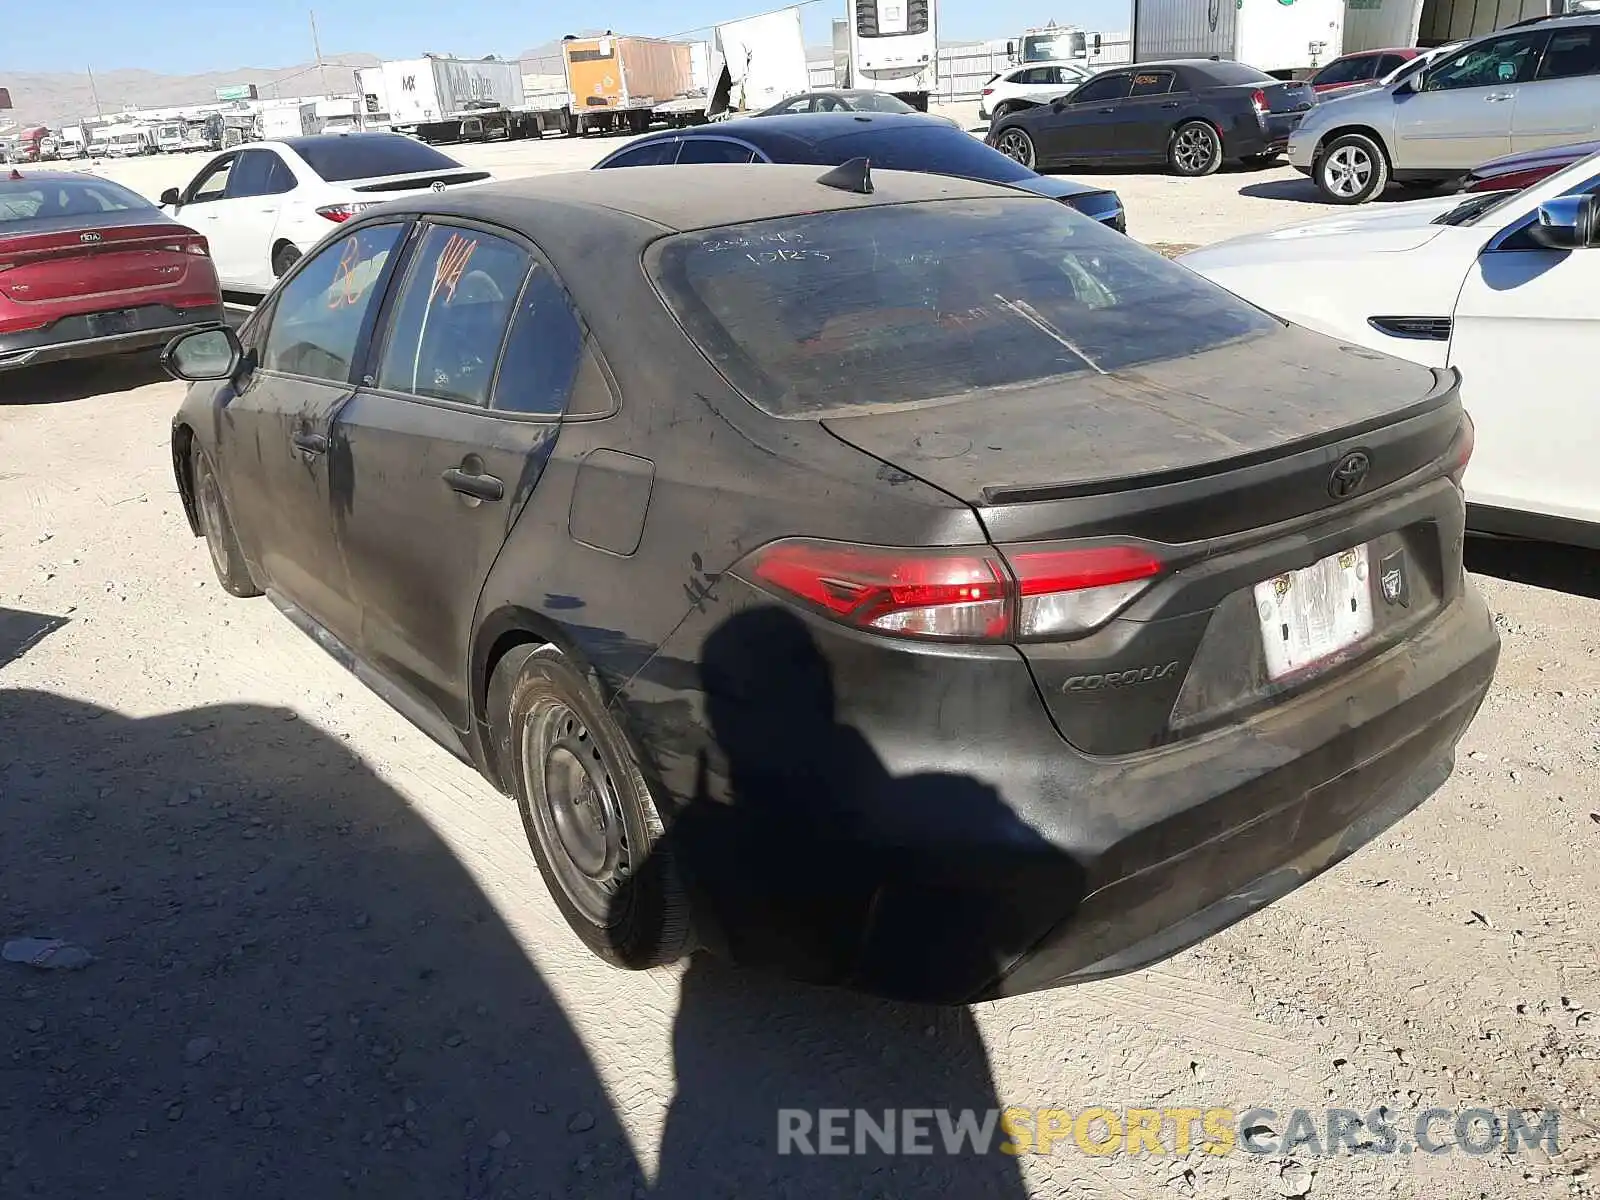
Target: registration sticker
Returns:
[1311, 615]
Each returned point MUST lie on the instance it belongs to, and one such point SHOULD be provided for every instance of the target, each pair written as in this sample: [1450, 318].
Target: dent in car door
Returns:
[434, 461]
[1561, 104]
[1463, 115]
[1525, 322]
[278, 423]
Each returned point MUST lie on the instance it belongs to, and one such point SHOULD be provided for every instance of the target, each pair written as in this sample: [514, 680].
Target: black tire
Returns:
[217, 527]
[1004, 109]
[1195, 149]
[567, 761]
[1351, 169]
[283, 258]
[1015, 144]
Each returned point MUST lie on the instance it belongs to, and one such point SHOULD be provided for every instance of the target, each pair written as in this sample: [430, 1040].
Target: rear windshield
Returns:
[880, 308]
[340, 158]
[1223, 74]
[934, 149]
[26, 201]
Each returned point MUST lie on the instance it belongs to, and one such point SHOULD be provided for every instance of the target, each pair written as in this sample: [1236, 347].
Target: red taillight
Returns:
[1066, 592]
[1258, 101]
[987, 92]
[343, 212]
[964, 594]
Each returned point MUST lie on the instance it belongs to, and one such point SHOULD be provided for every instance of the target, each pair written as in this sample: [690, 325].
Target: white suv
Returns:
[1034, 83]
[1527, 87]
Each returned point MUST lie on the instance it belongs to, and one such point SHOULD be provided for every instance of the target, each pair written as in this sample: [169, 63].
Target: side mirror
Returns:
[1567, 223]
[1410, 85]
[203, 354]
[172, 196]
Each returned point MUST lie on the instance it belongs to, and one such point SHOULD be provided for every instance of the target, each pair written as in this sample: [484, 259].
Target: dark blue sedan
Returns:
[892, 141]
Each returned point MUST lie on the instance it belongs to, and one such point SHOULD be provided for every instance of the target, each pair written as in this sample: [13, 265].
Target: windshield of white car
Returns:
[337, 159]
[1470, 212]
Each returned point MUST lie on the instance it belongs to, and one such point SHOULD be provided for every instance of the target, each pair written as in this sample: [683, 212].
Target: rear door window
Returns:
[451, 316]
[1572, 53]
[1152, 83]
[652, 154]
[879, 308]
[543, 352]
[259, 173]
[713, 150]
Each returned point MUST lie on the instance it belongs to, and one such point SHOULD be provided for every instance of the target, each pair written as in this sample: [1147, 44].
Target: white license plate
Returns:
[1310, 615]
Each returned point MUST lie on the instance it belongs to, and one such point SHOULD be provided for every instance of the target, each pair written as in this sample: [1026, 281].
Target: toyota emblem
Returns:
[1349, 474]
[438, 185]
[88, 237]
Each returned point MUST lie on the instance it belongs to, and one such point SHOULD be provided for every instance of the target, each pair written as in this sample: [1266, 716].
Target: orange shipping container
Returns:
[626, 72]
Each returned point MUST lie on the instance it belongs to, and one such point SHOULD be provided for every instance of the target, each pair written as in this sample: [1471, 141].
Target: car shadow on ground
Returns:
[299, 991]
[1549, 565]
[1302, 189]
[64, 382]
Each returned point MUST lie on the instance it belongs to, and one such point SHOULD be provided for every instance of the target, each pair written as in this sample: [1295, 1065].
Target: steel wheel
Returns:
[216, 526]
[1196, 149]
[1015, 144]
[212, 521]
[581, 822]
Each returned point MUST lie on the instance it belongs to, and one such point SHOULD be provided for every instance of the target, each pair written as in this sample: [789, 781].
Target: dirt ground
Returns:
[325, 965]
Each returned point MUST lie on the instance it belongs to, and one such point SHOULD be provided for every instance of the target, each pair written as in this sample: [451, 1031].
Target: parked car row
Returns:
[1527, 88]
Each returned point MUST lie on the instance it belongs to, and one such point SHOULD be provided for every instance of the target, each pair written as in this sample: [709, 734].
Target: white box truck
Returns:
[289, 121]
[1284, 40]
[433, 96]
[766, 59]
[1380, 24]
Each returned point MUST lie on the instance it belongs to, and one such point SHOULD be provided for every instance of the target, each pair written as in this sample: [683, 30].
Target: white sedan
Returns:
[264, 204]
[1504, 287]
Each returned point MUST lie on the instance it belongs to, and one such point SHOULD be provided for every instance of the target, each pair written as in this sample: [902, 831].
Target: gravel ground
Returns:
[325, 964]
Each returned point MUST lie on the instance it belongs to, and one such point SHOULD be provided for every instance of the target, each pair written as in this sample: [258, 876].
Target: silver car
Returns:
[1524, 88]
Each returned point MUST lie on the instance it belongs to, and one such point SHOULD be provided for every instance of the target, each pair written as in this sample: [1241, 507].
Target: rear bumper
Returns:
[935, 840]
[72, 337]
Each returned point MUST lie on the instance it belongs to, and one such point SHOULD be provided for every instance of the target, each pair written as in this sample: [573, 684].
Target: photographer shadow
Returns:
[823, 867]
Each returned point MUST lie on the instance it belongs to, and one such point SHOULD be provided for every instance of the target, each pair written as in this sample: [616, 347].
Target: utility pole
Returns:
[316, 46]
[94, 92]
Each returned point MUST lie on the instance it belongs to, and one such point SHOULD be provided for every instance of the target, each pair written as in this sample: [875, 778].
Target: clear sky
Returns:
[190, 36]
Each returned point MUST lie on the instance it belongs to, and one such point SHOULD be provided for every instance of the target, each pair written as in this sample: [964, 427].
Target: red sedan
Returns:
[89, 268]
[1513, 172]
[1363, 67]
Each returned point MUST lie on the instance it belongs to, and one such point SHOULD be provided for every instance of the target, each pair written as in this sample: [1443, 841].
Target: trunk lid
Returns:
[1225, 463]
[65, 259]
[1092, 453]
[420, 181]
[1291, 96]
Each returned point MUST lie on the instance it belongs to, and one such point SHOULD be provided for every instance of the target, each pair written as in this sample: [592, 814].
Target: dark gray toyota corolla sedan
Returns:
[900, 583]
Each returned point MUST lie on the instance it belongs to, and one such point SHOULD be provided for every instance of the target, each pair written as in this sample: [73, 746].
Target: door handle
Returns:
[1496, 97]
[311, 443]
[479, 487]
[1170, 104]
[1108, 110]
